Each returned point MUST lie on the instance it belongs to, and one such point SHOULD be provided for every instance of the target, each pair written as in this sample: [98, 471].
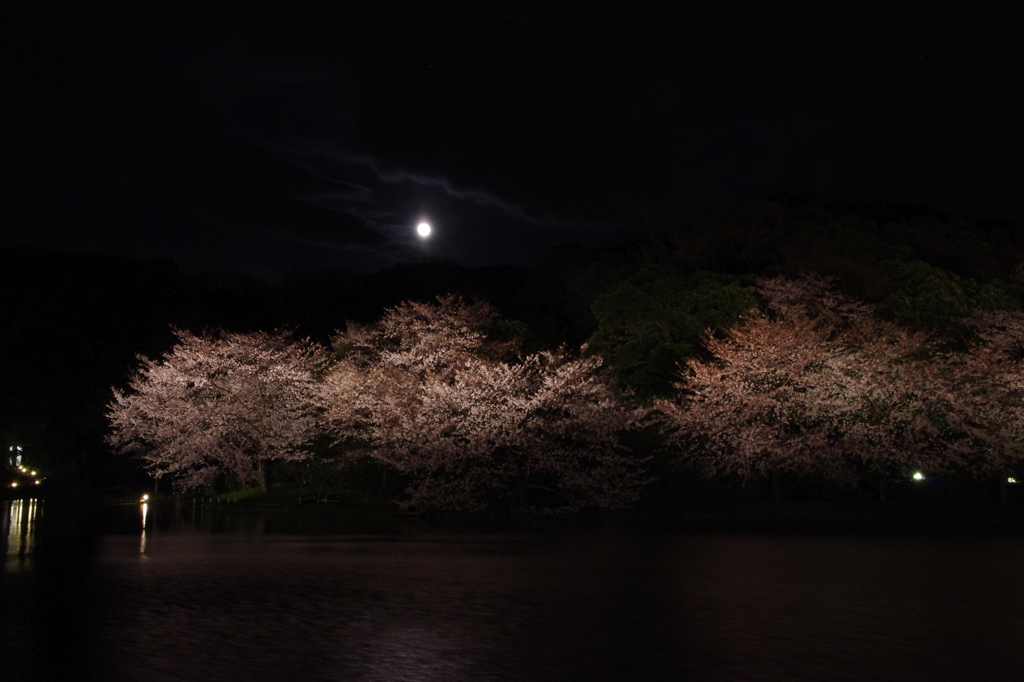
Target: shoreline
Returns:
[795, 517]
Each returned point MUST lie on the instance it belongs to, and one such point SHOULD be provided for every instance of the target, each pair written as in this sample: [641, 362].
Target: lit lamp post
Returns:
[20, 474]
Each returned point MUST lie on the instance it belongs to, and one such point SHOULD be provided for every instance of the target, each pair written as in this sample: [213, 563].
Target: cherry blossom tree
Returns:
[813, 296]
[474, 425]
[547, 427]
[220, 403]
[763, 403]
[892, 419]
[984, 395]
[381, 366]
[903, 404]
[816, 385]
[425, 338]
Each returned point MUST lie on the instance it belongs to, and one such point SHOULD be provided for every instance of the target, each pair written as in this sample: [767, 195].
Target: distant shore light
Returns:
[918, 476]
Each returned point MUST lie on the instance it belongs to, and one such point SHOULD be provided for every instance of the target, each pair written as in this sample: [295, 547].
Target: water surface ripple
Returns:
[610, 603]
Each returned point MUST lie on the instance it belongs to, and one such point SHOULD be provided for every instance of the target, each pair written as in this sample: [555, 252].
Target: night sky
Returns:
[316, 135]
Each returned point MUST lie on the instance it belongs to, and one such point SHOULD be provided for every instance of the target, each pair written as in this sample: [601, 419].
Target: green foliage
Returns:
[652, 321]
[925, 297]
[243, 494]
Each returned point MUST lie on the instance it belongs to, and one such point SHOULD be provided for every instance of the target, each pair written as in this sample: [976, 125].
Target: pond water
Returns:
[88, 594]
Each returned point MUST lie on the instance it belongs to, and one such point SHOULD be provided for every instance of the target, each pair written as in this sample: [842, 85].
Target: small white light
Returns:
[423, 229]
[1011, 479]
[38, 482]
[918, 476]
[31, 473]
[14, 485]
[144, 498]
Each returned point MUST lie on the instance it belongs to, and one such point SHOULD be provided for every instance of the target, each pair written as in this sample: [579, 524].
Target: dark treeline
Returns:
[71, 325]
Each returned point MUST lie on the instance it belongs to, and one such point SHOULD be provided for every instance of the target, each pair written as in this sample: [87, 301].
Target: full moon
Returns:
[423, 229]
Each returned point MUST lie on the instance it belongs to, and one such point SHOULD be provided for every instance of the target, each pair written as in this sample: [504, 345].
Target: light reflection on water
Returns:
[594, 604]
[19, 533]
[144, 508]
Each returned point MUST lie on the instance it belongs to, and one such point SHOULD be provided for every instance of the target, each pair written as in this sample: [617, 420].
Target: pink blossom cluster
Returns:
[223, 403]
[470, 420]
[814, 384]
[818, 384]
[474, 421]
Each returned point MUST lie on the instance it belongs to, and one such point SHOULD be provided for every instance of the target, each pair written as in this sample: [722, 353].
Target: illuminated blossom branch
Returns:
[471, 424]
[984, 394]
[763, 403]
[217, 404]
[424, 338]
[817, 385]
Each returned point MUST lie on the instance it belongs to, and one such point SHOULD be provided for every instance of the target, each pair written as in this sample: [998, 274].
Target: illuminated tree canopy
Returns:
[814, 384]
[472, 422]
[819, 385]
[220, 403]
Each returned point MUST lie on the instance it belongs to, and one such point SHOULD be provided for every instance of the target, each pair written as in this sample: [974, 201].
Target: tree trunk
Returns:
[1004, 494]
[883, 487]
[263, 474]
[776, 486]
[524, 493]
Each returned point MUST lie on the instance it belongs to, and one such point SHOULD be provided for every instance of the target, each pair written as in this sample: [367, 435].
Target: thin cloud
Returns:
[307, 153]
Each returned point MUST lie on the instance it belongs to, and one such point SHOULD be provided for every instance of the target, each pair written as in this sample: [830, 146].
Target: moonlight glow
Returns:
[423, 229]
